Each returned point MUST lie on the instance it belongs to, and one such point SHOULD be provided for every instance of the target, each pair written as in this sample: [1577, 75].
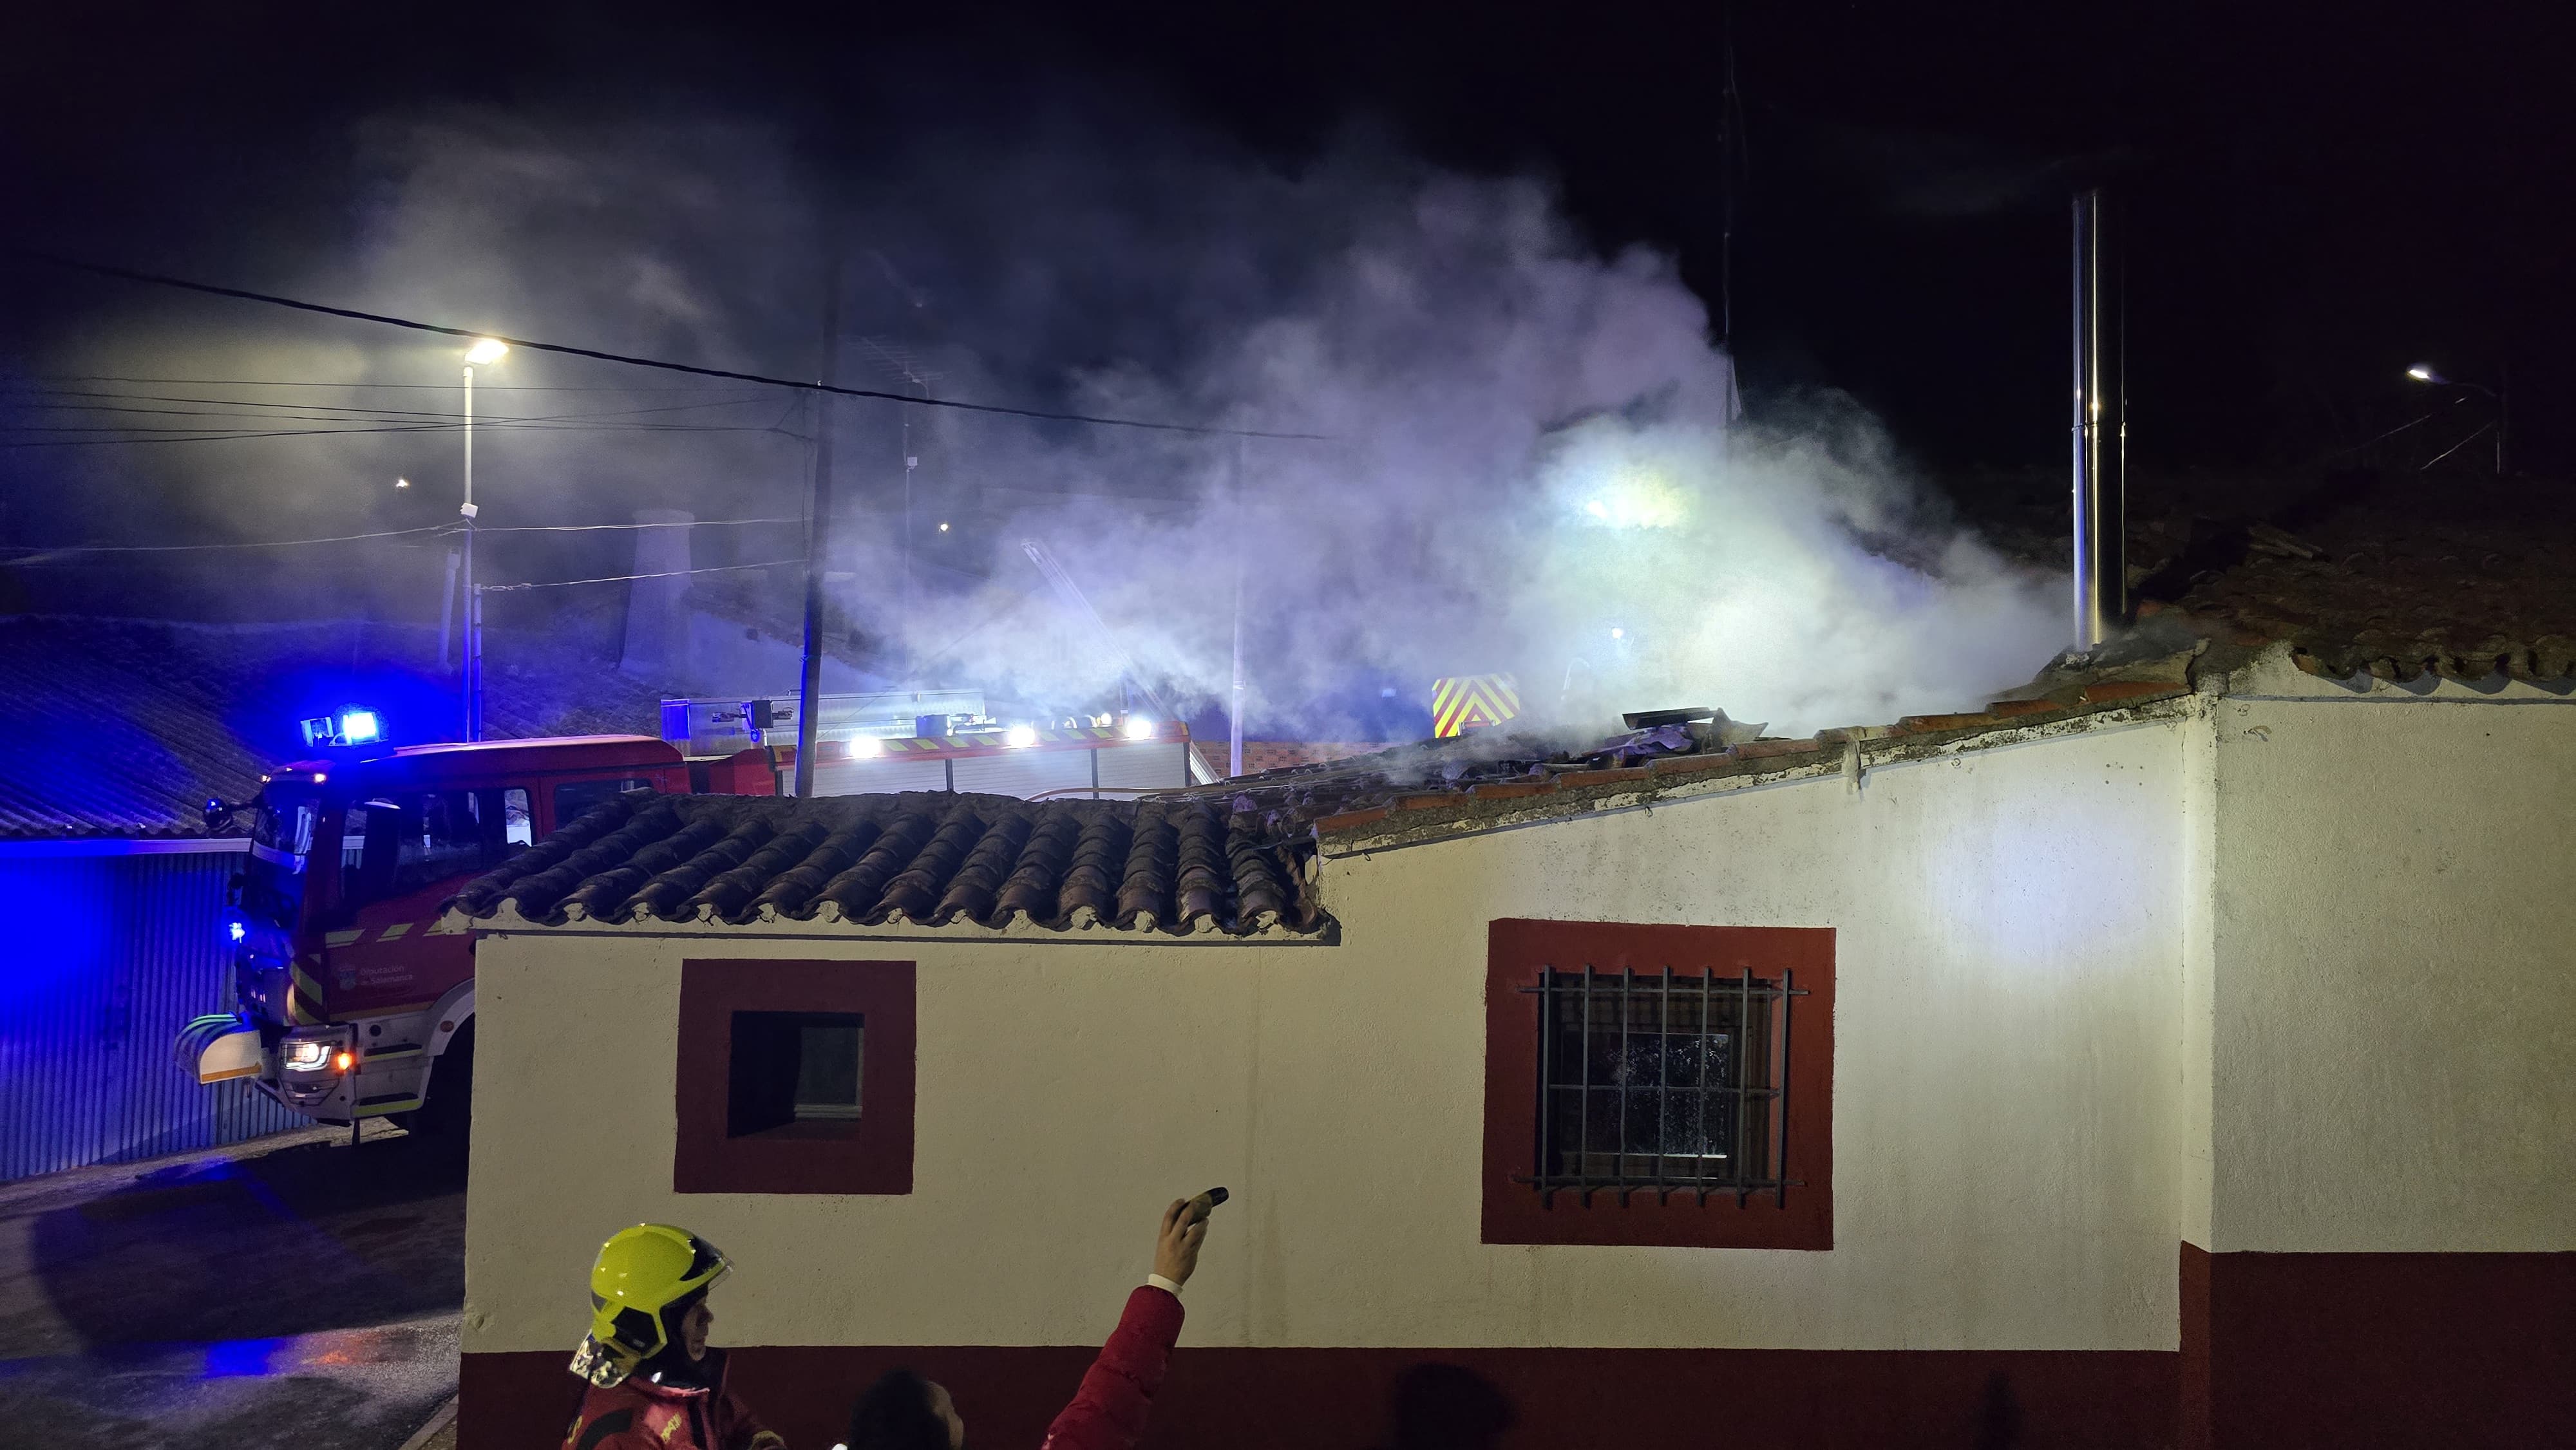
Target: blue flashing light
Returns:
[237, 930]
[349, 727]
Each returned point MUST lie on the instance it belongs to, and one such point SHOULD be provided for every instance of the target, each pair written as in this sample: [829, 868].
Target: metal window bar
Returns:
[1753, 1084]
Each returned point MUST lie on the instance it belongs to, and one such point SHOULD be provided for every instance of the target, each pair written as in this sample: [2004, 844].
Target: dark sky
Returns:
[2318, 196]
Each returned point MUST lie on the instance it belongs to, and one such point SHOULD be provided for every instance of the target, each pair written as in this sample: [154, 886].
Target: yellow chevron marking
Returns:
[341, 938]
[1460, 703]
[396, 931]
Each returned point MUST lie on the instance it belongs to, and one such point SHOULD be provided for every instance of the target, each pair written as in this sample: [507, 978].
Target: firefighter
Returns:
[652, 1381]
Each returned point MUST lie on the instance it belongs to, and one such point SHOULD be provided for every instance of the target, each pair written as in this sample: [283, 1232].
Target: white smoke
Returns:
[1528, 457]
[1532, 468]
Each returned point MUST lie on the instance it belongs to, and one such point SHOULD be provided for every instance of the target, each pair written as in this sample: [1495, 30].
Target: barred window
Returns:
[1662, 1083]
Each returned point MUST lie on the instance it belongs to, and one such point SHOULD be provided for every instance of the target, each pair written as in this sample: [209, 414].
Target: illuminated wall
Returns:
[2007, 1099]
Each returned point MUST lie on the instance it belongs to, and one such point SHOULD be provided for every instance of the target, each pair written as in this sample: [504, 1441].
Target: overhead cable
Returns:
[241, 294]
[191, 548]
[622, 578]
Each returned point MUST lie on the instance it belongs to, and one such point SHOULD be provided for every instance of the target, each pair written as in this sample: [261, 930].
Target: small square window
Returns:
[794, 1077]
[792, 1068]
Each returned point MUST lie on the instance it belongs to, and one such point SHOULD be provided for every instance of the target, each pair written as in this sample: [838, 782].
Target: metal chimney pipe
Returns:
[2101, 431]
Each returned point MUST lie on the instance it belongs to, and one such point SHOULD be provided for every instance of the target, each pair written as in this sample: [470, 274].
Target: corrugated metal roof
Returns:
[917, 859]
[123, 728]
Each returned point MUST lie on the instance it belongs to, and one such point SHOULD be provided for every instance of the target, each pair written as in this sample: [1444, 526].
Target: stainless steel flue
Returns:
[2101, 430]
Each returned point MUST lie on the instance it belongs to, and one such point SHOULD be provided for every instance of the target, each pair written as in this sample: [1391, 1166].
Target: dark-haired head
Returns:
[903, 1411]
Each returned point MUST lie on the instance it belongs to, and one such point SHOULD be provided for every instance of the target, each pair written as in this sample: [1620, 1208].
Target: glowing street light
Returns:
[486, 351]
[2427, 373]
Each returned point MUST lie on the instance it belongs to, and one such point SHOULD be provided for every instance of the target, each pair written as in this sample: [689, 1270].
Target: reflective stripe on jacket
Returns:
[641, 1415]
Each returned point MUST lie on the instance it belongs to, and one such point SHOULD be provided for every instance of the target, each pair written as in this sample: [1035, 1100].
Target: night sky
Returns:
[2315, 203]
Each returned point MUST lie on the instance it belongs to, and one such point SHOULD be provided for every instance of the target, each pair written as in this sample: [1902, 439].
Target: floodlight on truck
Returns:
[349, 727]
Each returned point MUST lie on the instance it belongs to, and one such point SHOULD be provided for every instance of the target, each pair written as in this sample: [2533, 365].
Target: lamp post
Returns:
[485, 352]
[2427, 373]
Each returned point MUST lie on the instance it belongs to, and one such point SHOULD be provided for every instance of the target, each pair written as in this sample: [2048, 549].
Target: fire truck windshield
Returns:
[281, 836]
[407, 841]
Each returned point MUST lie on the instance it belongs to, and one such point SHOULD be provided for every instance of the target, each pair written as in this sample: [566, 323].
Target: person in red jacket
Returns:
[653, 1382]
[903, 1411]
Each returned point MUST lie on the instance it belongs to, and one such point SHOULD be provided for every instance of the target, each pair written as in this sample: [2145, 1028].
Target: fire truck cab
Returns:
[351, 997]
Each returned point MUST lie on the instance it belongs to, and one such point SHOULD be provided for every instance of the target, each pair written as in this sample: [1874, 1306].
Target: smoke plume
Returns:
[1527, 456]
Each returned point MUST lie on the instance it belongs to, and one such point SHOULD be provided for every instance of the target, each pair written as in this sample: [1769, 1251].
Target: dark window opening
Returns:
[397, 844]
[792, 1069]
[281, 835]
[574, 798]
[1662, 1083]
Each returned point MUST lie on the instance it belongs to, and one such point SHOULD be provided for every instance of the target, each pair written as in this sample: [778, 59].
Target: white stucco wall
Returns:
[2008, 1094]
[2395, 1000]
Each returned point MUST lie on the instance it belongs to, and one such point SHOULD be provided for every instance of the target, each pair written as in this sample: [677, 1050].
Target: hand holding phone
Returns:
[1184, 1228]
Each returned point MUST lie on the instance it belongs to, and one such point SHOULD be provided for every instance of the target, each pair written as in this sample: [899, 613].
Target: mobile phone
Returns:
[1205, 1204]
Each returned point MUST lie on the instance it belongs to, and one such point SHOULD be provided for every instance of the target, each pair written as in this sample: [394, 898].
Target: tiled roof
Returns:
[123, 728]
[1261, 755]
[1483, 777]
[2393, 575]
[931, 859]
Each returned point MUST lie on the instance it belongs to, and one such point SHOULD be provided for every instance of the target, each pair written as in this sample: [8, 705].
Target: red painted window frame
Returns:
[1515, 1213]
[870, 1155]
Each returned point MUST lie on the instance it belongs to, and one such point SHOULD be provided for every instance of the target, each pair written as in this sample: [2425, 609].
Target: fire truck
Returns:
[353, 994]
[350, 995]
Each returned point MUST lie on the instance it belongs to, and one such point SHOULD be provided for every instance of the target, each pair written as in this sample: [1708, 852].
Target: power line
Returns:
[622, 578]
[188, 548]
[601, 528]
[241, 294]
[319, 383]
[33, 552]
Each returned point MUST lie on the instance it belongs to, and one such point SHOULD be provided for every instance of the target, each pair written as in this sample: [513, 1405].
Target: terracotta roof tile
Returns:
[923, 858]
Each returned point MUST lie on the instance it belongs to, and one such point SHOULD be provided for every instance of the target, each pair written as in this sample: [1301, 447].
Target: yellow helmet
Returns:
[641, 1272]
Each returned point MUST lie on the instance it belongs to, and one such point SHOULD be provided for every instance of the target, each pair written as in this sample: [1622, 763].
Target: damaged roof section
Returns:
[919, 859]
[1491, 778]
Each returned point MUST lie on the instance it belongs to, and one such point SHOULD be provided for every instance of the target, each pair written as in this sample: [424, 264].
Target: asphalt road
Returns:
[293, 1292]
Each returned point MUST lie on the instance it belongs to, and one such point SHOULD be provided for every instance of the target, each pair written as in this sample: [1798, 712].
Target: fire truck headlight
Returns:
[307, 1054]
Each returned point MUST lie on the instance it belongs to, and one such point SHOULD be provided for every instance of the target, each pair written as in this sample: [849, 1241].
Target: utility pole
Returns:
[1234, 712]
[818, 531]
[485, 351]
[911, 461]
[473, 598]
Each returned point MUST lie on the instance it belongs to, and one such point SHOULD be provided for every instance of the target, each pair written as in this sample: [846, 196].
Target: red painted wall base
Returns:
[1411, 1399]
[2360, 1350]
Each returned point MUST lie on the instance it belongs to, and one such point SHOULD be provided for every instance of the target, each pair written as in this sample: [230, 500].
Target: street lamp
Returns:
[2427, 373]
[484, 352]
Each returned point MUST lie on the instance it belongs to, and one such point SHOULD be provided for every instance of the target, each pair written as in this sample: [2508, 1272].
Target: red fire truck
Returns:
[350, 994]
[351, 991]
